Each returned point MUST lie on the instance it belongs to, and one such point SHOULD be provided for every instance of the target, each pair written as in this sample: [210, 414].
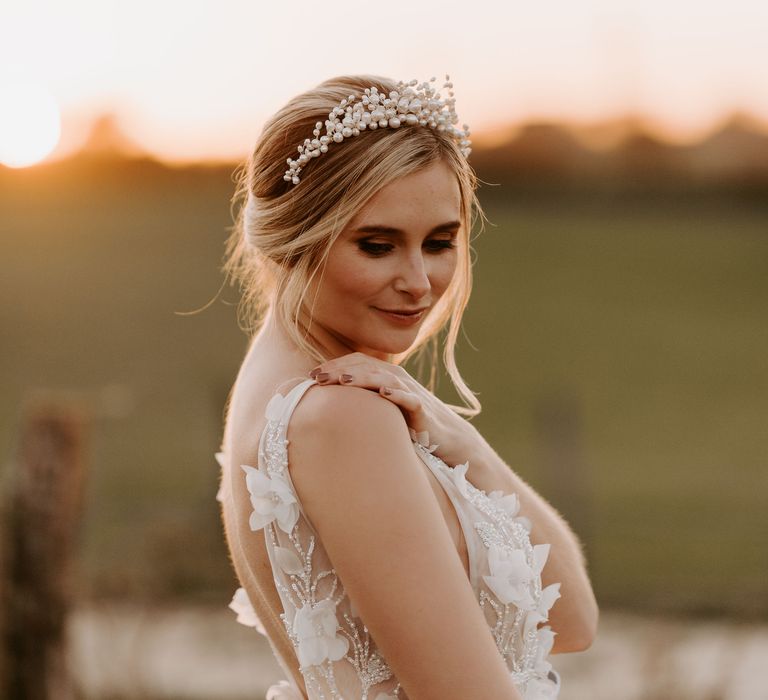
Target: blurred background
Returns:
[616, 336]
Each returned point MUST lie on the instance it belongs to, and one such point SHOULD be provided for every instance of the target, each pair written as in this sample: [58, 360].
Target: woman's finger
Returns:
[358, 376]
[404, 399]
[355, 364]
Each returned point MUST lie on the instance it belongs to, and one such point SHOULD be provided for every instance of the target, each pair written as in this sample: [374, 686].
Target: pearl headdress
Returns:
[403, 106]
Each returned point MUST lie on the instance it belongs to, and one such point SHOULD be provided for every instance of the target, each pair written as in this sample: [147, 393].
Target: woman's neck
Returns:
[275, 336]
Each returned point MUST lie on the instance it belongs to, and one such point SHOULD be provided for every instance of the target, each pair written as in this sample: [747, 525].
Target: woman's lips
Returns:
[403, 318]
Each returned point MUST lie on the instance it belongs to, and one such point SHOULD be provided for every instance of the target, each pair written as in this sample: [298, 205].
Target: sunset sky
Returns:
[195, 80]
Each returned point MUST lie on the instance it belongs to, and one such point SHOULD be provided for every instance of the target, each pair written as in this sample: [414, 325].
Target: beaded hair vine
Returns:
[403, 107]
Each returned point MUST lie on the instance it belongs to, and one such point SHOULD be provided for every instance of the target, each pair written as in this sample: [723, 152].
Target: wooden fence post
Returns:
[40, 515]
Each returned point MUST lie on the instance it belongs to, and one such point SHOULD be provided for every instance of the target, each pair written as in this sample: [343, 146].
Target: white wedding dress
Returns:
[335, 653]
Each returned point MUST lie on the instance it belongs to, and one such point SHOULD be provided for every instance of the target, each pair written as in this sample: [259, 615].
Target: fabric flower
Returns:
[283, 691]
[546, 639]
[510, 577]
[540, 689]
[541, 613]
[509, 503]
[316, 626]
[272, 499]
[246, 615]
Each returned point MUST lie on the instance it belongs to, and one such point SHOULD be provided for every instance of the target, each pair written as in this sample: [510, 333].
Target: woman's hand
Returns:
[423, 411]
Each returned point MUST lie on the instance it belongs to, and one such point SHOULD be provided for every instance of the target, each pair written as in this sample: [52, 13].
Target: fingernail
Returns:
[322, 376]
[386, 390]
[313, 373]
[346, 378]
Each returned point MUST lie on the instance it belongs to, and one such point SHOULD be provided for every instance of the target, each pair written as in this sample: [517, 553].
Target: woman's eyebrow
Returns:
[376, 228]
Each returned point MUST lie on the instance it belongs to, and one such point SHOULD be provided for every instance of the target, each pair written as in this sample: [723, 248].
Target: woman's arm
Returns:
[574, 616]
[366, 493]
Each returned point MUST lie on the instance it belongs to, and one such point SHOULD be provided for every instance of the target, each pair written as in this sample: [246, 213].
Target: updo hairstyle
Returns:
[283, 232]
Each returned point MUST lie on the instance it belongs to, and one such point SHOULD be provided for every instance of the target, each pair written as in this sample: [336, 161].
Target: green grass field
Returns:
[643, 319]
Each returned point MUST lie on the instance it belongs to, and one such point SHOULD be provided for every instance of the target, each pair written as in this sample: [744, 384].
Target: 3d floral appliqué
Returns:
[246, 615]
[511, 576]
[540, 689]
[546, 637]
[272, 499]
[541, 612]
[283, 690]
[315, 626]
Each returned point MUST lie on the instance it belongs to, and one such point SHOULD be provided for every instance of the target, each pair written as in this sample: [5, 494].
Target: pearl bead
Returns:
[404, 105]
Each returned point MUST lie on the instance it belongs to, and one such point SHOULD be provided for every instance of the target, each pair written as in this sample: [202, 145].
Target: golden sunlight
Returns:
[30, 123]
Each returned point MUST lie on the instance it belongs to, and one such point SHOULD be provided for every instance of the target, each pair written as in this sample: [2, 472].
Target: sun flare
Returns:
[30, 123]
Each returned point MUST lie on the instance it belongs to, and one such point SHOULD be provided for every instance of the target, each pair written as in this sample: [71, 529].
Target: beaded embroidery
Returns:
[318, 616]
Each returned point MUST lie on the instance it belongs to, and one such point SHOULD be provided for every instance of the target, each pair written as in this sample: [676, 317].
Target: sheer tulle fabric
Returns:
[335, 652]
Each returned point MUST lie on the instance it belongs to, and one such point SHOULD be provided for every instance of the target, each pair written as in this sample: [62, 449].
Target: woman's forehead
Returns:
[430, 194]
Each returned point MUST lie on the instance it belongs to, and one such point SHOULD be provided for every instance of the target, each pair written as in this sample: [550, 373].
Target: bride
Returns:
[382, 545]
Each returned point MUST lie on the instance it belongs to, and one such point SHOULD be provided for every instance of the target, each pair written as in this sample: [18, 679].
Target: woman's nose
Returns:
[413, 277]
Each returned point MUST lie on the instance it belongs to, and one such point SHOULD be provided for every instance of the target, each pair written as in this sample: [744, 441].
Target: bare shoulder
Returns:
[351, 440]
[322, 406]
[337, 409]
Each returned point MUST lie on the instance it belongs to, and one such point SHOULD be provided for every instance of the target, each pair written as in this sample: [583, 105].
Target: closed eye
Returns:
[439, 244]
[375, 248]
[433, 245]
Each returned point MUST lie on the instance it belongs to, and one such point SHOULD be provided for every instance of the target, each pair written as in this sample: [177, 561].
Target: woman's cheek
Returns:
[446, 270]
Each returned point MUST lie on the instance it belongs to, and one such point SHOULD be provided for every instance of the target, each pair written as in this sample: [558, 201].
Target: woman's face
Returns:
[390, 265]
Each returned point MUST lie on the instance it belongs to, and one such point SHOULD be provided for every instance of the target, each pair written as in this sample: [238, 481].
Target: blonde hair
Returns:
[283, 232]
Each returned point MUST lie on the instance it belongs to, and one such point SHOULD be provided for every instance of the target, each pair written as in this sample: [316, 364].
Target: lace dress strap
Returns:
[280, 407]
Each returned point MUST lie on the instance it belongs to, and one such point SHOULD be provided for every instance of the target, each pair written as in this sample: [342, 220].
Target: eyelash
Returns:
[379, 249]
